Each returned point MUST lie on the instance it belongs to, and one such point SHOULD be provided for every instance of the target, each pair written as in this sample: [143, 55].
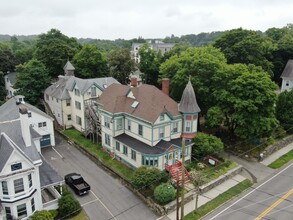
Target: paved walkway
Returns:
[206, 197]
[268, 160]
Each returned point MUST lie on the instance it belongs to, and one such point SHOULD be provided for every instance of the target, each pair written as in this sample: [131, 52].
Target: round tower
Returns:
[189, 109]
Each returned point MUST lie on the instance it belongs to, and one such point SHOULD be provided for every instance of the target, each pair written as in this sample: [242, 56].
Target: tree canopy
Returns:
[31, 81]
[53, 49]
[121, 65]
[89, 62]
[284, 110]
[247, 47]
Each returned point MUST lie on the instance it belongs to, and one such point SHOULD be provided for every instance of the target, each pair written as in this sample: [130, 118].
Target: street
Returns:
[272, 199]
[108, 199]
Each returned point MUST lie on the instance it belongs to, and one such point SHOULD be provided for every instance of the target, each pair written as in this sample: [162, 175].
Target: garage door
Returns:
[45, 141]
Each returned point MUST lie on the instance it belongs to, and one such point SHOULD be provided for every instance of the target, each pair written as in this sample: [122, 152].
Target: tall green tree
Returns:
[121, 65]
[53, 49]
[89, 62]
[246, 96]
[32, 80]
[149, 64]
[2, 88]
[284, 110]
[247, 47]
[7, 58]
[201, 64]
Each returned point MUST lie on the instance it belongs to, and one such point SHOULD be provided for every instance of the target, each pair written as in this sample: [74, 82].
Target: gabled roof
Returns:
[151, 101]
[288, 71]
[12, 77]
[48, 175]
[60, 89]
[5, 150]
[10, 111]
[188, 103]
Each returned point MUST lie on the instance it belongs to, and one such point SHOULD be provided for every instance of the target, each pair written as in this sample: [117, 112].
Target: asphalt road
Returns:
[108, 198]
[271, 199]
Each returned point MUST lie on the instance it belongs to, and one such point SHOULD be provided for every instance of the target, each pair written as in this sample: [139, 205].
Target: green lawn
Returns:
[282, 160]
[81, 216]
[216, 202]
[96, 149]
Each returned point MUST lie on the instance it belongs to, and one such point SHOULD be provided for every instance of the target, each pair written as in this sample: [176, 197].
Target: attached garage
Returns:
[45, 141]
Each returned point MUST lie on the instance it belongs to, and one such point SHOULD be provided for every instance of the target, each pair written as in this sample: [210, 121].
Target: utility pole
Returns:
[182, 183]
[177, 197]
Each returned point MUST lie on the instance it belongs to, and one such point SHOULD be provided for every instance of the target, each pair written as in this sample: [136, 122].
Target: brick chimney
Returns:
[133, 82]
[165, 86]
[24, 124]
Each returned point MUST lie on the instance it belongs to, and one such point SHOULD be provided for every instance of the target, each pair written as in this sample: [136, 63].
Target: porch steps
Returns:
[176, 172]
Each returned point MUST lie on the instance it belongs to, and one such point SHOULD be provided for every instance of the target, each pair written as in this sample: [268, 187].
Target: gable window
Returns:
[78, 120]
[107, 140]
[187, 126]
[33, 204]
[107, 122]
[175, 127]
[119, 124]
[117, 146]
[68, 102]
[93, 91]
[133, 155]
[21, 211]
[69, 117]
[125, 150]
[30, 180]
[4, 188]
[162, 117]
[140, 130]
[76, 92]
[287, 82]
[77, 105]
[16, 166]
[18, 185]
[129, 125]
[162, 132]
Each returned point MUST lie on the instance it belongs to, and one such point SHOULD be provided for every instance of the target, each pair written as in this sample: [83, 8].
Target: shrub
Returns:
[145, 177]
[197, 178]
[165, 193]
[42, 215]
[68, 205]
[200, 166]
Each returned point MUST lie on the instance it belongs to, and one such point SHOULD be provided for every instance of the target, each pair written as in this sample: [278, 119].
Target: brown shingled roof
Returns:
[152, 101]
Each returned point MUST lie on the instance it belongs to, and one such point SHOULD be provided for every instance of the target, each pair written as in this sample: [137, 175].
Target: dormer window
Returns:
[16, 166]
[93, 92]
[287, 82]
[162, 117]
[76, 92]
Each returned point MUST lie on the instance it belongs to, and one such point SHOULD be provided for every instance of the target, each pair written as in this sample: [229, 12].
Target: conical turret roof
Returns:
[68, 66]
[188, 103]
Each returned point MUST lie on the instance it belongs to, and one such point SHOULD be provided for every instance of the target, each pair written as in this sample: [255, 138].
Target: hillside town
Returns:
[154, 129]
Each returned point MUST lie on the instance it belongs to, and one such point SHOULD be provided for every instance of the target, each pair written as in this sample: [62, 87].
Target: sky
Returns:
[127, 19]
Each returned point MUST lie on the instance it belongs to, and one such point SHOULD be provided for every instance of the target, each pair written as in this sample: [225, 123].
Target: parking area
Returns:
[108, 198]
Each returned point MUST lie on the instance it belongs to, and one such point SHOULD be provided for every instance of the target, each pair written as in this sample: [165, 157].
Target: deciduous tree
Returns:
[284, 110]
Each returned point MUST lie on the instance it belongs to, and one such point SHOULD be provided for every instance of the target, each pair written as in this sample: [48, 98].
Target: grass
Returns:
[97, 150]
[81, 216]
[282, 160]
[219, 200]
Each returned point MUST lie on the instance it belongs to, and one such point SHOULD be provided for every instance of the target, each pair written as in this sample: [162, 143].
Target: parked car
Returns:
[77, 183]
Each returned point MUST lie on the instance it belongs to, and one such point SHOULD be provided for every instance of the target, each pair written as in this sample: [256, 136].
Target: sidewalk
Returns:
[268, 160]
[206, 197]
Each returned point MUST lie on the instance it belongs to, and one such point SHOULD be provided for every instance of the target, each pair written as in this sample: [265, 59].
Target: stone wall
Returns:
[277, 146]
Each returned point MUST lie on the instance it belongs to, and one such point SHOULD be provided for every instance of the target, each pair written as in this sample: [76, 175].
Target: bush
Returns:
[68, 205]
[165, 193]
[42, 215]
[197, 178]
[145, 177]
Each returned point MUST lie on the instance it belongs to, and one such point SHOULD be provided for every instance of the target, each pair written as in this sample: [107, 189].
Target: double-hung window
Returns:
[188, 126]
[107, 140]
[18, 185]
[140, 130]
[175, 127]
[133, 154]
[107, 121]
[161, 132]
[125, 150]
[129, 125]
[119, 123]
[30, 180]
[21, 211]
[4, 188]
[117, 146]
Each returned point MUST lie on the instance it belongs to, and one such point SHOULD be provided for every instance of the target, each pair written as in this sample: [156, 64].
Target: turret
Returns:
[69, 69]
[189, 109]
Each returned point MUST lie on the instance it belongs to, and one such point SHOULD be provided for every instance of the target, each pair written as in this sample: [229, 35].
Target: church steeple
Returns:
[189, 109]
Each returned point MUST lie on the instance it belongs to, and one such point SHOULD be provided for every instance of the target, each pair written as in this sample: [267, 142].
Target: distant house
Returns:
[287, 77]
[158, 46]
[142, 125]
[68, 96]
[10, 79]
[28, 183]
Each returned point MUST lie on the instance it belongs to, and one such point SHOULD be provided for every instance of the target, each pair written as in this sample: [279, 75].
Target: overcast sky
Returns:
[109, 19]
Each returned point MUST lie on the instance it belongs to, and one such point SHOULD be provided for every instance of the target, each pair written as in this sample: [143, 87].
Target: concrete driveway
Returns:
[108, 199]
